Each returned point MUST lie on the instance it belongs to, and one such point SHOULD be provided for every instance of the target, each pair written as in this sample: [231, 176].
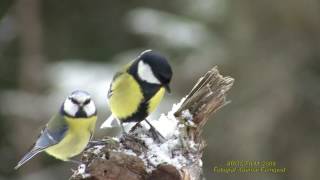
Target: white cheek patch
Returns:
[70, 108]
[90, 109]
[145, 73]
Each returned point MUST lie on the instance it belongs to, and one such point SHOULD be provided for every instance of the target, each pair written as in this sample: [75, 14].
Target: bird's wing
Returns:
[123, 70]
[49, 136]
[110, 87]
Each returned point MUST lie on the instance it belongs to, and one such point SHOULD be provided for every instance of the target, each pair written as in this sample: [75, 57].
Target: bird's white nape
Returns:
[90, 108]
[145, 73]
[70, 108]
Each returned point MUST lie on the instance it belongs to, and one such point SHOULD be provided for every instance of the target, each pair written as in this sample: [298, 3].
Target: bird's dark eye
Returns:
[74, 101]
[86, 102]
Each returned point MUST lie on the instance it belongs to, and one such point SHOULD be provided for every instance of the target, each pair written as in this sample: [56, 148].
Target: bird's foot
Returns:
[155, 133]
[135, 127]
[157, 136]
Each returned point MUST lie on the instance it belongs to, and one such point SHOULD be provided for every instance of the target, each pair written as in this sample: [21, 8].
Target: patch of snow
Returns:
[129, 152]
[82, 169]
[82, 172]
[200, 163]
[187, 115]
[96, 149]
[168, 152]
[167, 124]
[116, 139]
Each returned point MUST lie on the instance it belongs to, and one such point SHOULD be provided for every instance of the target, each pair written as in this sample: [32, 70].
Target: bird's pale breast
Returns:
[126, 96]
[76, 139]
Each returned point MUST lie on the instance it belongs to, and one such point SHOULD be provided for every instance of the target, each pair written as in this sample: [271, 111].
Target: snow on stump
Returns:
[139, 156]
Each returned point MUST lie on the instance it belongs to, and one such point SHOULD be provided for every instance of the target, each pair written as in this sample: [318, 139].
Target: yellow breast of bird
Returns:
[156, 99]
[126, 96]
[76, 138]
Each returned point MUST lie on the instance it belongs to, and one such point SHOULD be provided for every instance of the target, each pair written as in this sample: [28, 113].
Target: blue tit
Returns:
[138, 88]
[69, 131]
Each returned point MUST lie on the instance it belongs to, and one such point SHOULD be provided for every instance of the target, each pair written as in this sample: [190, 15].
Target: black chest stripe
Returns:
[148, 90]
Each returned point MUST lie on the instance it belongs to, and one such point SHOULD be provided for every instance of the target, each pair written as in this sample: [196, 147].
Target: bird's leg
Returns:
[155, 133]
[135, 127]
[123, 130]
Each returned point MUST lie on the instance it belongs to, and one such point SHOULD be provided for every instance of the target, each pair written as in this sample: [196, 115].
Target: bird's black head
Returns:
[154, 68]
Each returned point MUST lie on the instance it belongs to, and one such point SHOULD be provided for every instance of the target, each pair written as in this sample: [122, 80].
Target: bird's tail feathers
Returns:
[110, 122]
[28, 156]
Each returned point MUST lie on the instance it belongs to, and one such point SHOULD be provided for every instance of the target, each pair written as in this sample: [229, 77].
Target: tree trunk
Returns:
[30, 33]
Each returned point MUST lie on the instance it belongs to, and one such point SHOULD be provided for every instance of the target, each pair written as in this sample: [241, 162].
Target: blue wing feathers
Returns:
[45, 140]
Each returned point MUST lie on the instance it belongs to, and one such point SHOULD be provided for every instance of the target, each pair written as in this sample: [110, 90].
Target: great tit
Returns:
[69, 131]
[138, 88]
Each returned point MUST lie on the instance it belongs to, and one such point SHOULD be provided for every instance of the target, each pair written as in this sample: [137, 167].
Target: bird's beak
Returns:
[167, 87]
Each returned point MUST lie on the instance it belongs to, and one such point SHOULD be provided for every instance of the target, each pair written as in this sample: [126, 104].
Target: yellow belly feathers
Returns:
[75, 140]
[127, 96]
[156, 99]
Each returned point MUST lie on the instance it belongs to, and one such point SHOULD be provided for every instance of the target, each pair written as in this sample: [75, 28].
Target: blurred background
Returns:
[271, 48]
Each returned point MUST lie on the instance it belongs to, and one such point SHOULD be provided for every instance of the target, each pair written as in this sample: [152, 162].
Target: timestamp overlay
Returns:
[250, 167]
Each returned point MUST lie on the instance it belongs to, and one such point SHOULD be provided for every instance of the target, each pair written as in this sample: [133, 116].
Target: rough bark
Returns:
[110, 159]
